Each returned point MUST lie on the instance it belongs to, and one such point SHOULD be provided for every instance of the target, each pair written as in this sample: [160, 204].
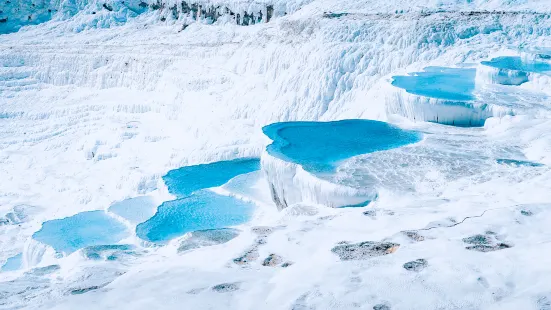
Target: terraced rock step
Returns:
[512, 70]
[536, 54]
[439, 95]
[453, 84]
[466, 97]
[301, 160]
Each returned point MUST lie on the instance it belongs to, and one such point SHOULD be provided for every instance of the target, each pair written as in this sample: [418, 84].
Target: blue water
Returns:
[319, 146]
[186, 180]
[516, 63]
[81, 230]
[135, 210]
[358, 205]
[456, 84]
[13, 263]
[199, 211]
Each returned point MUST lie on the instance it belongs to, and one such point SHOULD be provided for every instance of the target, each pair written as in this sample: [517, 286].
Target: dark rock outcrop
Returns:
[226, 287]
[416, 265]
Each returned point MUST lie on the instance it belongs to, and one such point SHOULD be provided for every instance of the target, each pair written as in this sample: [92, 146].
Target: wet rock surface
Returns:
[416, 265]
[208, 237]
[364, 250]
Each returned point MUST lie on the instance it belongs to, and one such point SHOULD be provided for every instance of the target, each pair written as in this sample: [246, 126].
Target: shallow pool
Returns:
[319, 146]
[84, 229]
[135, 210]
[13, 263]
[199, 211]
[456, 84]
[196, 207]
[183, 181]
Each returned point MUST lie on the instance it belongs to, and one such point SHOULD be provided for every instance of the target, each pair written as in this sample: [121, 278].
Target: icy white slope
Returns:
[90, 116]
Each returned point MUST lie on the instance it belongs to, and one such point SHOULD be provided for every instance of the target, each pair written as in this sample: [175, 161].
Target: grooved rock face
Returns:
[364, 250]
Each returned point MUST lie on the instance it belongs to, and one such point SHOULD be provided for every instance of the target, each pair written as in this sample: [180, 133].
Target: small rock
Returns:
[478, 239]
[249, 256]
[416, 265]
[381, 307]
[195, 291]
[371, 213]
[262, 230]
[260, 241]
[413, 235]
[526, 212]
[544, 303]
[85, 290]
[364, 250]
[226, 287]
[286, 264]
[355, 280]
[488, 248]
[272, 260]
[483, 282]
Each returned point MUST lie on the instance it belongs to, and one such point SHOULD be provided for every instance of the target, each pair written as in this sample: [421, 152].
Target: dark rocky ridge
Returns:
[212, 13]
